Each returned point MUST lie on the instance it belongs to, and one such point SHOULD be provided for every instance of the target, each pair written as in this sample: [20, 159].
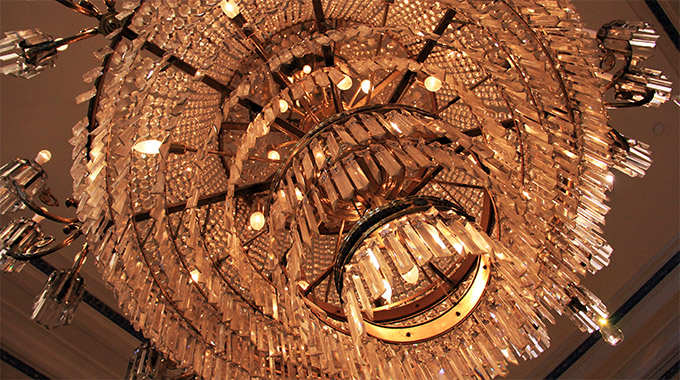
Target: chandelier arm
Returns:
[425, 51]
[43, 251]
[39, 51]
[619, 139]
[378, 88]
[649, 96]
[317, 281]
[42, 211]
[110, 5]
[90, 10]
[416, 187]
[179, 149]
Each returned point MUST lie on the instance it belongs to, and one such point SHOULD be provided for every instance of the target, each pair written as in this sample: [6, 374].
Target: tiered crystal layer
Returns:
[518, 129]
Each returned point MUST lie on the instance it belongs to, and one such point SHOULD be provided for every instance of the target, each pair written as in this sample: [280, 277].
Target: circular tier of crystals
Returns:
[331, 187]
[284, 125]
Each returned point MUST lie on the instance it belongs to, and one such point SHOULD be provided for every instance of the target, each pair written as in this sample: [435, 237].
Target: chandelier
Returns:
[341, 188]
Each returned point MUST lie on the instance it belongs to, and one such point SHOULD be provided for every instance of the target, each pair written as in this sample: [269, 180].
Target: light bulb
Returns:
[433, 83]
[365, 86]
[148, 146]
[257, 220]
[283, 105]
[62, 48]
[43, 156]
[229, 8]
[306, 69]
[345, 83]
[273, 155]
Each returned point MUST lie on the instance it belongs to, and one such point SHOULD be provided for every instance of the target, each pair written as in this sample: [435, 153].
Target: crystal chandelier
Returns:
[340, 188]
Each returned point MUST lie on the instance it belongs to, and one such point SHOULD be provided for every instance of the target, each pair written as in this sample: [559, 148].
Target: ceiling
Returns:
[643, 226]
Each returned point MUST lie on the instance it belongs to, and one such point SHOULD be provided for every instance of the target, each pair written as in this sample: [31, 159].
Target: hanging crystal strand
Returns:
[61, 295]
[371, 275]
[146, 363]
[366, 305]
[353, 314]
[633, 161]
[585, 309]
[402, 260]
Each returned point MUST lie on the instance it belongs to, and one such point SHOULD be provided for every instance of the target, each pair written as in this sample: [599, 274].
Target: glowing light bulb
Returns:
[345, 83]
[62, 48]
[148, 146]
[365, 86]
[433, 83]
[273, 155]
[283, 105]
[43, 156]
[306, 69]
[257, 220]
[229, 8]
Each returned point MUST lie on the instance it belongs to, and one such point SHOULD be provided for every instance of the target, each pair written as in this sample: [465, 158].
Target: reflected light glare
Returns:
[148, 146]
[298, 194]
[411, 276]
[387, 296]
[195, 275]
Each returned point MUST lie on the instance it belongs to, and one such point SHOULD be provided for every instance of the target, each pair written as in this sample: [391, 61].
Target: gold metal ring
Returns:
[443, 323]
